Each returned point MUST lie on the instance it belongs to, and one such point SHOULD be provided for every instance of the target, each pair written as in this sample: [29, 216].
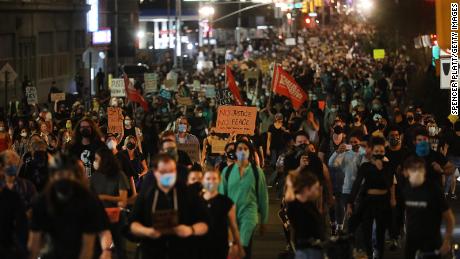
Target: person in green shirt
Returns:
[248, 190]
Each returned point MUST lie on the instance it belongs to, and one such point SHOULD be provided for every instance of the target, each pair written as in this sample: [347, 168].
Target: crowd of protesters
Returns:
[357, 153]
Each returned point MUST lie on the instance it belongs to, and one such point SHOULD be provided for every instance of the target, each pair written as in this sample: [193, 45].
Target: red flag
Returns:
[231, 84]
[284, 84]
[133, 95]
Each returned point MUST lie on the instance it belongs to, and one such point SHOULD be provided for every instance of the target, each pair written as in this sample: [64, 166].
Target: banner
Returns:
[115, 120]
[379, 53]
[236, 119]
[196, 85]
[56, 97]
[192, 150]
[118, 87]
[31, 94]
[165, 94]
[231, 85]
[187, 101]
[132, 93]
[210, 91]
[224, 97]
[150, 82]
[284, 84]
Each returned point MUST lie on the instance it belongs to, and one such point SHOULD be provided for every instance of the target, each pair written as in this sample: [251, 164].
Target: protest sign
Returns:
[115, 120]
[236, 119]
[218, 146]
[184, 101]
[165, 94]
[196, 85]
[379, 53]
[56, 97]
[118, 87]
[210, 91]
[150, 82]
[251, 74]
[170, 84]
[192, 150]
[31, 94]
[321, 104]
[224, 97]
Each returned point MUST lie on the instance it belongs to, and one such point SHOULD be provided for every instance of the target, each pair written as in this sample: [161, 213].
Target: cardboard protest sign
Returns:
[184, 101]
[224, 97]
[193, 151]
[379, 53]
[118, 88]
[150, 82]
[56, 97]
[218, 146]
[236, 119]
[165, 94]
[170, 84]
[210, 91]
[115, 120]
[31, 94]
[251, 74]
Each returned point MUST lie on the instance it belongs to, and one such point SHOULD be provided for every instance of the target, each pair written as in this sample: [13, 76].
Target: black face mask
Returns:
[64, 190]
[380, 126]
[356, 119]
[231, 155]
[410, 119]
[338, 129]
[302, 147]
[130, 146]
[86, 133]
[378, 157]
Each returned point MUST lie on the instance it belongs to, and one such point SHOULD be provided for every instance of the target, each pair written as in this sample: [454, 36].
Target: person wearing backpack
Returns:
[244, 183]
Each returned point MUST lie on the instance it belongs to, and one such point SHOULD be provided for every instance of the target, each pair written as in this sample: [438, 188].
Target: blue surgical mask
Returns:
[422, 148]
[210, 187]
[182, 128]
[168, 180]
[362, 151]
[242, 155]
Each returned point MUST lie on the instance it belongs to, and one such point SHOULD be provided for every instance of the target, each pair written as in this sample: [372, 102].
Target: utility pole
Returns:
[177, 46]
[115, 36]
[238, 26]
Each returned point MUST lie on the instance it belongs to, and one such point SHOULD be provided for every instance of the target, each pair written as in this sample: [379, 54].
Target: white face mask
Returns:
[416, 179]
[96, 165]
[111, 144]
[23, 134]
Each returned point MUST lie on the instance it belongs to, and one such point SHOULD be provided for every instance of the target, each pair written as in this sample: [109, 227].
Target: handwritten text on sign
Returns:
[115, 120]
[236, 119]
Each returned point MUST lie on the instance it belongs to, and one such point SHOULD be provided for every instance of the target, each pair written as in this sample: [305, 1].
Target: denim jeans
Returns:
[309, 253]
[456, 161]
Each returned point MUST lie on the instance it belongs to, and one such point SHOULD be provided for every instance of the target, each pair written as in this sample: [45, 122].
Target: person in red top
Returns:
[5, 140]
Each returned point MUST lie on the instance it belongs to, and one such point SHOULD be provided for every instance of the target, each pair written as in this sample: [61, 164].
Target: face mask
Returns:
[422, 149]
[210, 187]
[242, 155]
[394, 141]
[376, 107]
[86, 133]
[182, 128]
[2, 129]
[199, 114]
[96, 165]
[333, 109]
[111, 145]
[380, 126]
[11, 171]
[168, 180]
[23, 134]
[127, 123]
[410, 119]
[355, 147]
[432, 131]
[356, 119]
[130, 146]
[64, 190]
[231, 155]
[378, 157]
[338, 129]
[416, 179]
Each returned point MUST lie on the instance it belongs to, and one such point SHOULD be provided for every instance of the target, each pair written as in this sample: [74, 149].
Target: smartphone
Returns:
[347, 146]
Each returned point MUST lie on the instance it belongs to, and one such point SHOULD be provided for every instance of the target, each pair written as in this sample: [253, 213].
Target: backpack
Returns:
[229, 169]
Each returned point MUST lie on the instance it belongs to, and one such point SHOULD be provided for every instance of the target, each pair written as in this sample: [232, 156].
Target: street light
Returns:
[206, 11]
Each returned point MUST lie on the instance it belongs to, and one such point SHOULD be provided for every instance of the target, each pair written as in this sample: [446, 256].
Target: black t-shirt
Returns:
[190, 211]
[277, 141]
[454, 145]
[218, 209]
[13, 219]
[433, 156]
[108, 185]
[125, 164]
[373, 179]
[86, 154]
[67, 222]
[306, 221]
[424, 208]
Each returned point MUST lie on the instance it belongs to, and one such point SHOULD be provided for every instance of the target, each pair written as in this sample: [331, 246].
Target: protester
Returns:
[177, 215]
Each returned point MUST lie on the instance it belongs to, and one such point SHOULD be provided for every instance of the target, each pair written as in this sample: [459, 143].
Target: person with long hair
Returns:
[244, 183]
[111, 186]
[67, 213]
[85, 141]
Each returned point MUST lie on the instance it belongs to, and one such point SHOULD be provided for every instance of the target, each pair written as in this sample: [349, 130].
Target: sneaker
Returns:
[375, 255]
[453, 196]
